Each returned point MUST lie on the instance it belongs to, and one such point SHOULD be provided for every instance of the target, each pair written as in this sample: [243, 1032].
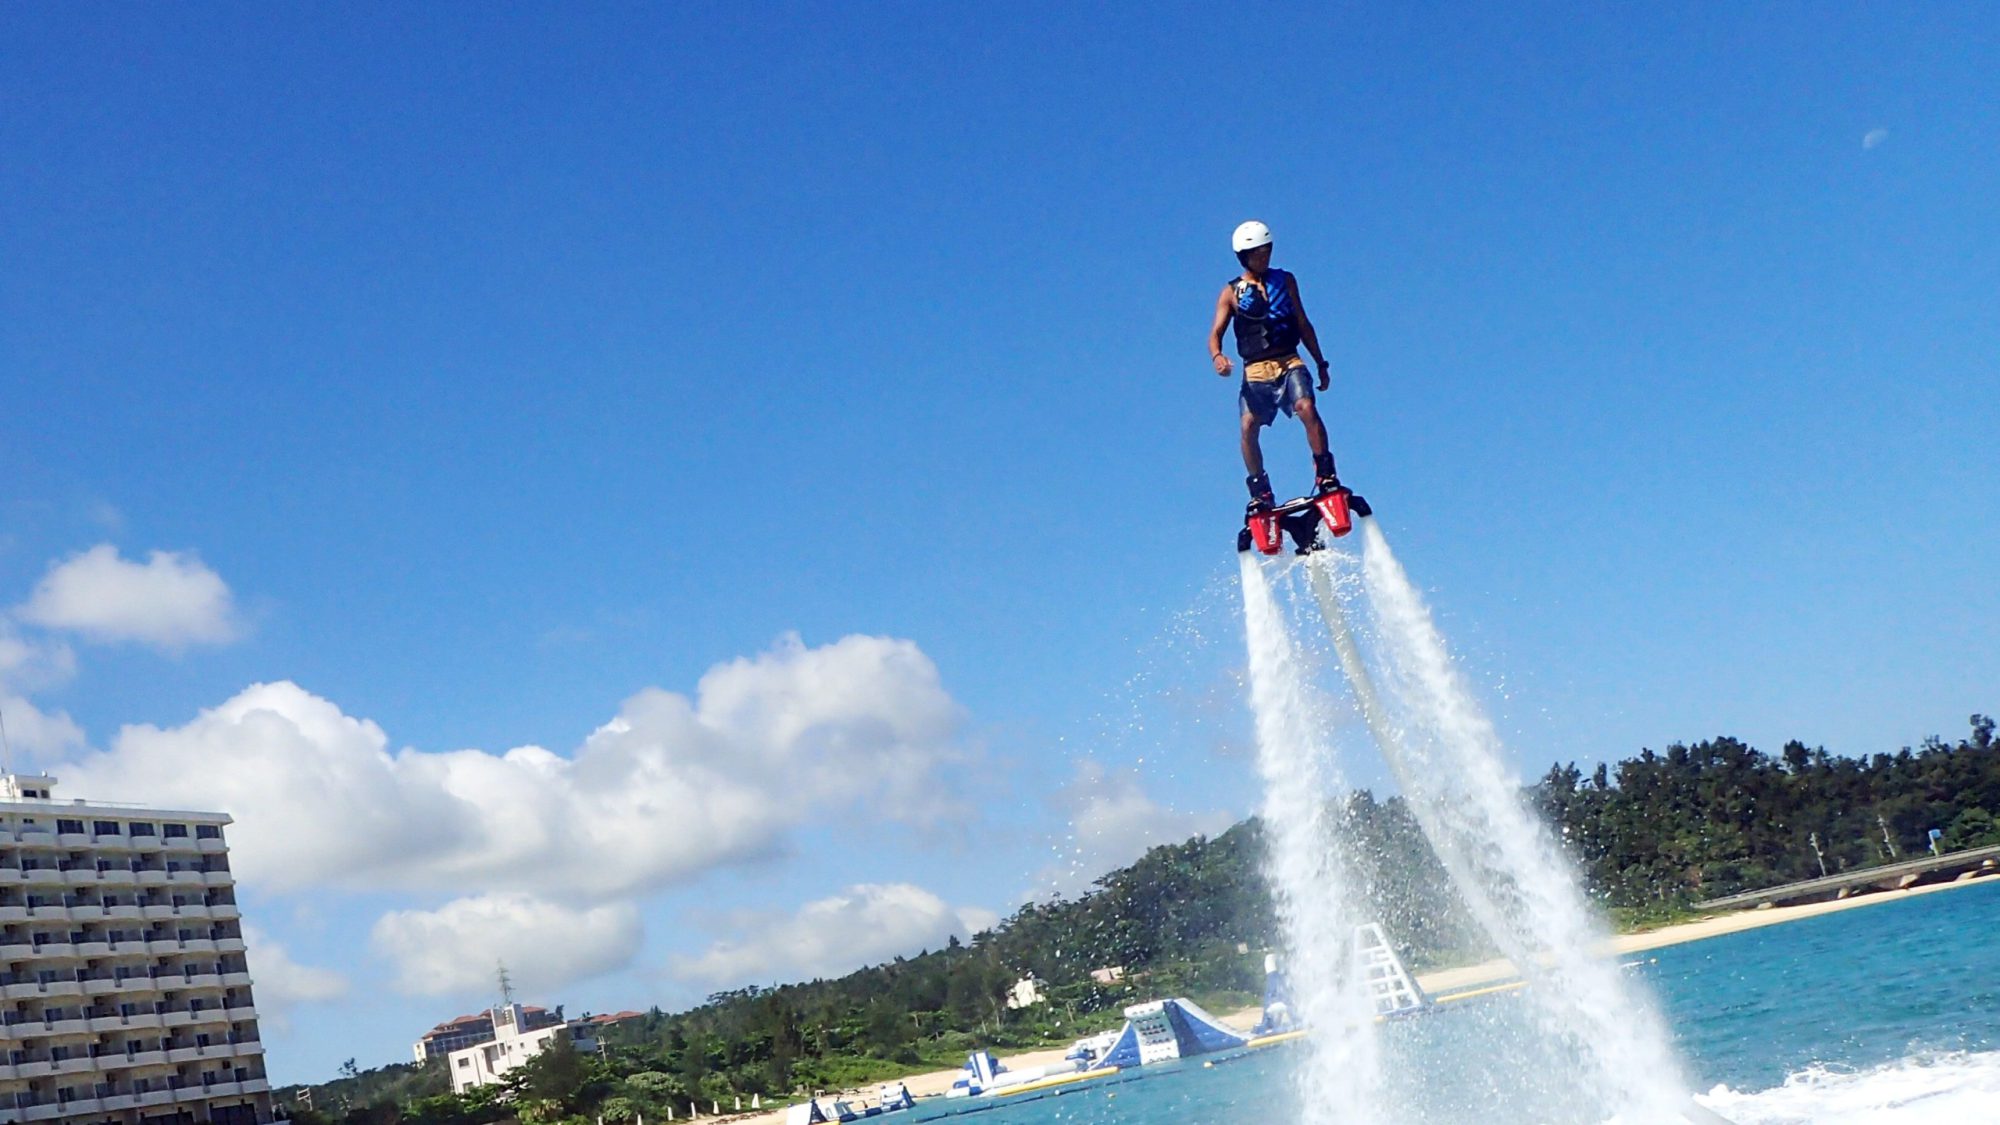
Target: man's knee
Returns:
[1251, 425]
[1308, 411]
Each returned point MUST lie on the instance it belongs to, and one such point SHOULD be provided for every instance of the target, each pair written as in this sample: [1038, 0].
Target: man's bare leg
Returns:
[1253, 452]
[1324, 477]
[1315, 429]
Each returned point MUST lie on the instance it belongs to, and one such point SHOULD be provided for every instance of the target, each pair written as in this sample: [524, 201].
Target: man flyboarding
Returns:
[1263, 306]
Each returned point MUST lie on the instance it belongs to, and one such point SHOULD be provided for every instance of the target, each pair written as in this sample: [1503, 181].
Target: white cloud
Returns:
[1874, 137]
[35, 734]
[1112, 822]
[460, 947]
[27, 666]
[33, 665]
[670, 787]
[282, 983]
[864, 925]
[169, 602]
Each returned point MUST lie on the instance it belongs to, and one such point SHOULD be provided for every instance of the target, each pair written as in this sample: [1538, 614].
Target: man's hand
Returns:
[1324, 379]
[1222, 365]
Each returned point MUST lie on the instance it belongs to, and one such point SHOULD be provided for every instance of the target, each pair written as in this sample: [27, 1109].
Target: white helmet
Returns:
[1250, 236]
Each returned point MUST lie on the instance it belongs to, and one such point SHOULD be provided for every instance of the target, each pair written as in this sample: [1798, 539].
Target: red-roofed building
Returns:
[470, 1031]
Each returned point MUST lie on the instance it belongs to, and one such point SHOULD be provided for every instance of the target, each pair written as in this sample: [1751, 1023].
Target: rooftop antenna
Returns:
[506, 986]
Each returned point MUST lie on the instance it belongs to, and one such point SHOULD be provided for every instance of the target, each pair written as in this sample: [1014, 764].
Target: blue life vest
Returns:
[1266, 326]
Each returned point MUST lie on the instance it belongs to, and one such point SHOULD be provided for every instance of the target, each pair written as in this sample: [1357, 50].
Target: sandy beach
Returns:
[1493, 972]
[1465, 977]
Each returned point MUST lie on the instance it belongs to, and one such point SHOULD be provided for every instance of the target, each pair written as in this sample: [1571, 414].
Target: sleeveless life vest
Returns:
[1266, 326]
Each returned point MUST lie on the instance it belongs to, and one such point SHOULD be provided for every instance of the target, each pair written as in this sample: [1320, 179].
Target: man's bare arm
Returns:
[1224, 309]
[1307, 335]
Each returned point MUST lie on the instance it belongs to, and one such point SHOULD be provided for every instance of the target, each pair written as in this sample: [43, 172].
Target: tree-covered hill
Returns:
[1652, 834]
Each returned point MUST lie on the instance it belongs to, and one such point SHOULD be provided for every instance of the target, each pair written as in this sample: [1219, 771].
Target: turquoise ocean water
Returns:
[1887, 1013]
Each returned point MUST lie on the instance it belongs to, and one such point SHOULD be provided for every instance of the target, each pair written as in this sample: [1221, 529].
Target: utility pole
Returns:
[1886, 841]
[1817, 854]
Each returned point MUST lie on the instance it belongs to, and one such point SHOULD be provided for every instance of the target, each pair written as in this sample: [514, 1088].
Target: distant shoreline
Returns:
[1464, 977]
[1736, 921]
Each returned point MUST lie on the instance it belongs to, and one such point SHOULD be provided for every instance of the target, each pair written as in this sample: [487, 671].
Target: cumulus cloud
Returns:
[36, 734]
[459, 947]
[866, 924]
[282, 983]
[28, 666]
[1112, 822]
[672, 786]
[1874, 137]
[33, 665]
[169, 601]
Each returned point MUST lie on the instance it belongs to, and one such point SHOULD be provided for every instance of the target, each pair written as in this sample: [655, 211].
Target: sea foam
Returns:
[1954, 1086]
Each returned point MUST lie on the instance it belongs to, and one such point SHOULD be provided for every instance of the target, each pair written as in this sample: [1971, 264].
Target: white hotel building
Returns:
[124, 994]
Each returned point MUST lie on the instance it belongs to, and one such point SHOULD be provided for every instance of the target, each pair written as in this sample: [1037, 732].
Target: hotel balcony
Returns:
[236, 980]
[35, 837]
[12, 876]
[159, 911]
[150, 877]
[121, 1060]
[156, 1097]
[42, 1029]
[73, 840]
[93, 947]
[77, 1107]
[14, 912]
[138, 984]
[124, 912]
[115, 1102]
[186, 878]
[212, 847]
[111, 842]
[204, 945]
[43, 877]
[177, 843]
[255, 1085]
[229, 945]
[218, 878]
[47, 1111]
[227, 1089]
[189, 1017]
[225, 911]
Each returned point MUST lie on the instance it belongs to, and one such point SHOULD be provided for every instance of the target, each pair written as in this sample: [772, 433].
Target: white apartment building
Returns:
[124, 994]
[514, 1042]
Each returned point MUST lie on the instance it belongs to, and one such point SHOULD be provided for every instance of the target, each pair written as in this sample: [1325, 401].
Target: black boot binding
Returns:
[1325, 479]
[1261, 499]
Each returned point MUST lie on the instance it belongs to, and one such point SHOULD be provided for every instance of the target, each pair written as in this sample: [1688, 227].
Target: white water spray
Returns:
[1312, 884]
[1509, 870]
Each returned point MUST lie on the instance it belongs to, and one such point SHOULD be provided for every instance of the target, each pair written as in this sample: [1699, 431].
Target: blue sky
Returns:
[480, 371]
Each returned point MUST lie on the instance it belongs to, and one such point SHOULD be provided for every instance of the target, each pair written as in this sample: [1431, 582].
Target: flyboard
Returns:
[1301, 518]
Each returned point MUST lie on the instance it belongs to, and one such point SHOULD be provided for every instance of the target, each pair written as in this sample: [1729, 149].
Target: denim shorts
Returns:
[1262, 401]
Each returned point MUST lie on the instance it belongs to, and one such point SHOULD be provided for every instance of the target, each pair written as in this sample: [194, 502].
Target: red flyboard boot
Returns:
[1329, 496]
[1259, 515]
